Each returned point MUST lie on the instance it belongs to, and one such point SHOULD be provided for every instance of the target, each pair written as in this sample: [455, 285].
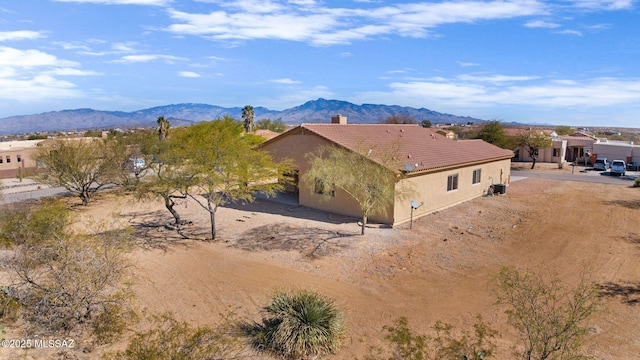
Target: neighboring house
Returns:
[616, 150]
[579, 147]
[583, 149]
[267, 134]
[16, 158]
[430, 168]
[554, 154]
[447, 133]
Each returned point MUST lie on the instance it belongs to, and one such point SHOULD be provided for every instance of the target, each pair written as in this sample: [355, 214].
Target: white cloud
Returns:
[603, 4]
[571, 32]
[130, 59]
[530, 91]
[19, 35]
[305, 21]
[121, 2]
[541, 24]
[467, 64]
[295, 97]
[189, 74]
[285, 81]
[32, 75]
[72, 72]
[496, 78]
[26, 59]
[124, 47]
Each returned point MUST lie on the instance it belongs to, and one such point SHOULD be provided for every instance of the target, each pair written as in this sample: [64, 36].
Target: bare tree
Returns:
[65, 280]
[399, 119]
[549, 318]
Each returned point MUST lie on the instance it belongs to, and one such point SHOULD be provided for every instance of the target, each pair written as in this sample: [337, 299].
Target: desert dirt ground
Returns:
[441, 269]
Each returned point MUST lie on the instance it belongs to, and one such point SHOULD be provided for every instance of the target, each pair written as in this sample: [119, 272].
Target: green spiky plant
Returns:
[302, 324]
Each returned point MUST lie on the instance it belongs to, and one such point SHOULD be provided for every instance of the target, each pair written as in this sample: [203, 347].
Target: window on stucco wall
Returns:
[476, 176]
[452, 182]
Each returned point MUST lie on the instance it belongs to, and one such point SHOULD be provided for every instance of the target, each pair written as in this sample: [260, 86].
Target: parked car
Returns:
[601, 164]
[633, 166]
[139, 163]
[618, 167]
[135, 164]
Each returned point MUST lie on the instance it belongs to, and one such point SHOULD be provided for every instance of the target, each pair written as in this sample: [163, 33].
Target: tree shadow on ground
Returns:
[151, 231]
[273, 206]
[631, 204]
[628, 293]
[312, 242]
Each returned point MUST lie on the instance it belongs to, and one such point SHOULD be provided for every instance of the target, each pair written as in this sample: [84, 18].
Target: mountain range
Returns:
[316, 111]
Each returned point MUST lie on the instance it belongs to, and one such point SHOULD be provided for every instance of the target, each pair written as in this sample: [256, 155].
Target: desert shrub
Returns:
[549, 318]
[65, 281]
[169, 339]
[9, 304]
[33, 224]
[301, 324]
[466, 345]
[636, 183]
[113, 321]
[403, 344]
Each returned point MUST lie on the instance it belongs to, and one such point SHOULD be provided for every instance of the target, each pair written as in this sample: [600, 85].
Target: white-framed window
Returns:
[477, 173]
[452, 182]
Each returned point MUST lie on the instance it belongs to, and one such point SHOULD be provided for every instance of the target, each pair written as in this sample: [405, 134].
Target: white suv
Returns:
[618, 167]
[601, 164]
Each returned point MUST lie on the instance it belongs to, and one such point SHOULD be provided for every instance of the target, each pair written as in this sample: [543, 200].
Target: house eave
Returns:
[455, 166]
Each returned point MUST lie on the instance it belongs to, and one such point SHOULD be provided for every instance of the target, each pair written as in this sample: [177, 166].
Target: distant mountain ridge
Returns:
[316, 111]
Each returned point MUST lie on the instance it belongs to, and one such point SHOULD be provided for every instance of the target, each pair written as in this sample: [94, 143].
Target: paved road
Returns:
[32, 195]
[591, 176]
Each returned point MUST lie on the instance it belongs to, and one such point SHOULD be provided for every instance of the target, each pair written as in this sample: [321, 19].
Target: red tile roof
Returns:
[422, 148]
[267, 134]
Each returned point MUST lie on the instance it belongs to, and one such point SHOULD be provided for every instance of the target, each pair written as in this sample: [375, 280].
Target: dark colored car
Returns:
[633, 166]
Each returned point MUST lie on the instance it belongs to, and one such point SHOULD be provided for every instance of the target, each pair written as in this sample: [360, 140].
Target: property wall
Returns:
[431, 189]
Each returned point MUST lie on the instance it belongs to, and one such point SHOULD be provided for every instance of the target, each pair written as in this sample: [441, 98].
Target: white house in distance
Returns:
[583, 149]
[616, 150]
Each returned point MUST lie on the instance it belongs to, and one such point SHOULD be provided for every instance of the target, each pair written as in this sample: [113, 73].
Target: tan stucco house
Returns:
[431, 169]
[16, 158]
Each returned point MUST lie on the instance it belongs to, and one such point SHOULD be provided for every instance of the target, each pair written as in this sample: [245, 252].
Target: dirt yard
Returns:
[442, 269]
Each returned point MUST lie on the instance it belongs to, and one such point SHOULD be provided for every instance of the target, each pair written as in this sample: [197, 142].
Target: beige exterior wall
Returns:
[432, 189]
[295, 147]
[555, 154]
[17, 157]
[617, 151]
[429, 187]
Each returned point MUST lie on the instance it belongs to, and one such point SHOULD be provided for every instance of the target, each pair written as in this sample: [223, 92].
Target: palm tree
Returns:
[247, 115]
[163, 127]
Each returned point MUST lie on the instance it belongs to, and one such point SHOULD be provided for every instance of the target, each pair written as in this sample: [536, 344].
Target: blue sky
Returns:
[572, 62]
